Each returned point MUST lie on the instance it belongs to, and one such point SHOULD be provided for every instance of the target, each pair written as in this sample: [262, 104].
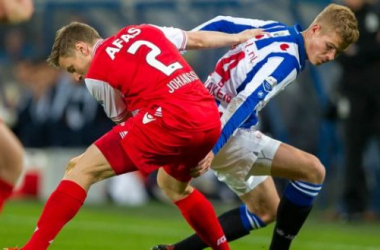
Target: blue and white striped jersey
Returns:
[252, 73]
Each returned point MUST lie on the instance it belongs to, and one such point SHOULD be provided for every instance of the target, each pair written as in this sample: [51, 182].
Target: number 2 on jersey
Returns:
[151, 57]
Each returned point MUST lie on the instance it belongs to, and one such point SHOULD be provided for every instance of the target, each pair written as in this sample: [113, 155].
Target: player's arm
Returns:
[184, 40]
[15, 11]
[110, 98]
[214, 39]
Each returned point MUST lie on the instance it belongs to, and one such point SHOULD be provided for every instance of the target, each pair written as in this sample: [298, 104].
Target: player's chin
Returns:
[316, 62]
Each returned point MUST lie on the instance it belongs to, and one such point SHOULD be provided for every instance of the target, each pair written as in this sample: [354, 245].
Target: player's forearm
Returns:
[212, 39]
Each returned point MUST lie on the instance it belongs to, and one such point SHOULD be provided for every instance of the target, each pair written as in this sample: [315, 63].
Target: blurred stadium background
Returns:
[57, 119]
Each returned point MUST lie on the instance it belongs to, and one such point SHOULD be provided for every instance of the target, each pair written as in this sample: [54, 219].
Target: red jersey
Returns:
[141, 67]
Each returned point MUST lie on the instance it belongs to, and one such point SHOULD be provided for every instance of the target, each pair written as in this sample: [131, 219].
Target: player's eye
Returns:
[329, 46]
[71, 69]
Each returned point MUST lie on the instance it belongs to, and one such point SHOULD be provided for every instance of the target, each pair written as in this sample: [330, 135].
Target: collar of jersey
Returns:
[96, 46]
[296, 31]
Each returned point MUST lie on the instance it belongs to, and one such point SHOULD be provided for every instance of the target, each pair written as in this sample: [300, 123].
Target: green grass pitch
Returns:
[111, 227]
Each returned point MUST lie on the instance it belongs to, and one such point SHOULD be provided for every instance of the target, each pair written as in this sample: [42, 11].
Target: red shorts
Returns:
[144, 143]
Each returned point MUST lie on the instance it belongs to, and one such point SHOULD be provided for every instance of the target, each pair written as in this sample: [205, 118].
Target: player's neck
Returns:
[96, 45]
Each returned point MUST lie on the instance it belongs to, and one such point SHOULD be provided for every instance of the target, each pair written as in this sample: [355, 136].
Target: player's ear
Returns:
[316, 28]
[82, 48]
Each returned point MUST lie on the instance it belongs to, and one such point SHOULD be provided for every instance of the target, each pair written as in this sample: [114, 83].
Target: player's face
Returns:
[76, 64]
[323, 47]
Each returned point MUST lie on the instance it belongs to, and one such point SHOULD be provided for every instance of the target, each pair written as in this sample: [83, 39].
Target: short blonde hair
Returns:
[67, 37]
[341, 20]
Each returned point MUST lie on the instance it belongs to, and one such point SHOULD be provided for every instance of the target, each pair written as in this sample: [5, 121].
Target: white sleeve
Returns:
[110, 98]
[177, 36]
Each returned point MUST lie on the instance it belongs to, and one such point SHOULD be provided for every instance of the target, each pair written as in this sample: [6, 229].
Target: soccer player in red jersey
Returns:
[11, 151]
[167, 120]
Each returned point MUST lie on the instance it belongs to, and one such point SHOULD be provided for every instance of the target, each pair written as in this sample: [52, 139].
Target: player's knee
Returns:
[71, 165]
[269, 215]
[76, 171]
[266, 211]
[316, 172]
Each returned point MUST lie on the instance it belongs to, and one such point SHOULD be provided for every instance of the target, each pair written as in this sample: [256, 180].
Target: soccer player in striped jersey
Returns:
[245, 79]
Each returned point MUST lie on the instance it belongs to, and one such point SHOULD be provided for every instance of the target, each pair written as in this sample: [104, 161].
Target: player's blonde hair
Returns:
[66, 38]
[341, 20]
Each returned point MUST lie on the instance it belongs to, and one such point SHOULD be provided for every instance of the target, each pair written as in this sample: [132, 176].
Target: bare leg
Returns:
[294, 164]
[306, 175]
[90, 167]
[263, 201]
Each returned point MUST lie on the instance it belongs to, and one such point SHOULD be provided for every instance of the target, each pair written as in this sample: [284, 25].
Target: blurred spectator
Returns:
[15, 11]
[360, 110]
[15, 47]
[55, 112]
[15, 50]
[34, 105]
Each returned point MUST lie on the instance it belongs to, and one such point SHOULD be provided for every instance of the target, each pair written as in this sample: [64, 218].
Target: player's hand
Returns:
[248, 34]
[203, 166]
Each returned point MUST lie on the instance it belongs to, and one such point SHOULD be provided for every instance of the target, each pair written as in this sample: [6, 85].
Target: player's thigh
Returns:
[292, 163]
[11, 155]
[263, 200]
[91, 167]
[245, 161]
[110, 146]
[173, 188]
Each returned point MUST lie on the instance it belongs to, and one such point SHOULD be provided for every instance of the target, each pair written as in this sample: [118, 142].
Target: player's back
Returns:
[149, 71]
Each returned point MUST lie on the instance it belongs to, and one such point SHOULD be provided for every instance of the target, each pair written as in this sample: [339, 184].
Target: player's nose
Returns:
[332, 55]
